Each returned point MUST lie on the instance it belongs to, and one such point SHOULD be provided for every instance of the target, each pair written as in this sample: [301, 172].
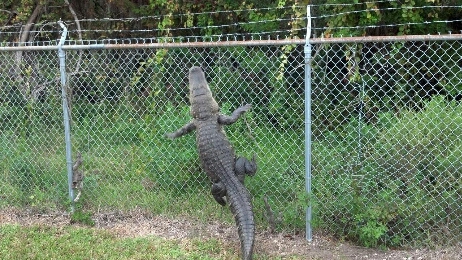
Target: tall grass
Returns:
[403, 188]
[403, 182]
[129, 164]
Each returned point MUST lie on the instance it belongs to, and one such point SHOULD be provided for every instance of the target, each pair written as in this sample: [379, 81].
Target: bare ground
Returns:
[279, 245]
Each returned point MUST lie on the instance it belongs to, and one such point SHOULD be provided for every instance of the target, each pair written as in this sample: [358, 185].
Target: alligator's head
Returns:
[203, 105]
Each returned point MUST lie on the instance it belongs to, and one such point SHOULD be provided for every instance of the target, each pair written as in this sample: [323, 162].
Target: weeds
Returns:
[390, 194]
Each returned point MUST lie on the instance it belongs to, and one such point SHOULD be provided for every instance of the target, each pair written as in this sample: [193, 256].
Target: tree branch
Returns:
[33, 17]
[12, 16]
[79, 60]
[79, 31]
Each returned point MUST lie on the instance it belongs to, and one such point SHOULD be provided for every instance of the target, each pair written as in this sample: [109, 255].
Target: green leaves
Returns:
[399, 17]
[407, 178]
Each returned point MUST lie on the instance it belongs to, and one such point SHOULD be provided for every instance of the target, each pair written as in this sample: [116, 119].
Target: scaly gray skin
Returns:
[225, 170]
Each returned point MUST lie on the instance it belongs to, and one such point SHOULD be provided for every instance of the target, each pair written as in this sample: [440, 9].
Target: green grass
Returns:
[82, 243]
[71, 242]
[129, 164]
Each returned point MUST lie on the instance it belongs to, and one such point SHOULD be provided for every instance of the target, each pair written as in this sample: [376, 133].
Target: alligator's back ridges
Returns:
[243, 215]
[217, 159]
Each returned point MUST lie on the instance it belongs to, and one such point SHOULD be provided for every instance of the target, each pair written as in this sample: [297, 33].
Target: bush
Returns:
[406, 188]
[419, 154]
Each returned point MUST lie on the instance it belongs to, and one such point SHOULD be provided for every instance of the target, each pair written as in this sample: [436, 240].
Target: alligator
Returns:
[225, 170]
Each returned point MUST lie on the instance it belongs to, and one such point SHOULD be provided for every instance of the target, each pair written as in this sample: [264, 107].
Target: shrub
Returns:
[406, 187]
[419, 156]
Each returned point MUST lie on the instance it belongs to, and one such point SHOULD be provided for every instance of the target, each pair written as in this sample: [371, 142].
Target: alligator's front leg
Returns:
[189, 127]
[245, 167]
[227, 120]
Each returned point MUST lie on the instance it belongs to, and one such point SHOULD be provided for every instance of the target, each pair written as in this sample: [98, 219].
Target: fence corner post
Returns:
[307, 52]
[66, 117]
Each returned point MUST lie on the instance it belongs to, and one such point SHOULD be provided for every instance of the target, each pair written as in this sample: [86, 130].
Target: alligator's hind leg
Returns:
[245, 167]
[219, 192]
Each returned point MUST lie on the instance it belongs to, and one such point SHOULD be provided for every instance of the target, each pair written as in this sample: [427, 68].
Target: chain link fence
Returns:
[386, 122]
[122, 101]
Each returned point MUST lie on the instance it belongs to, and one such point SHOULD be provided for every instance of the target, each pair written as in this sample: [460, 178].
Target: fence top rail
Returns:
[160, 45]
[128, 44]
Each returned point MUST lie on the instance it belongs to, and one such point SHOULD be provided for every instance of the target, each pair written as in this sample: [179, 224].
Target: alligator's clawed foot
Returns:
[245, 167]
[219, 193]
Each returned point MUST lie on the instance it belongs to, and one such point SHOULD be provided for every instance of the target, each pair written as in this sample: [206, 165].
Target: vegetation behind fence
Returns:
[385, 121]
[123, 101]
[386, 128]
[385, 114]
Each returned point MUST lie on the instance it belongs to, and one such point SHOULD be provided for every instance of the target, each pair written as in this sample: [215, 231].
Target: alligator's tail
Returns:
[241, 206]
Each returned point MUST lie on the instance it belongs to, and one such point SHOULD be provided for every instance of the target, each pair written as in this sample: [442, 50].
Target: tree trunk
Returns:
[24, 87]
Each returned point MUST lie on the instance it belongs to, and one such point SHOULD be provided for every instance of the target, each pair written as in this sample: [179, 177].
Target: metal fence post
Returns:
[307, 52]
[67, 134]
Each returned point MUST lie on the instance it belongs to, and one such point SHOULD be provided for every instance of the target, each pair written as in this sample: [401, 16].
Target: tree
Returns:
[373, 18]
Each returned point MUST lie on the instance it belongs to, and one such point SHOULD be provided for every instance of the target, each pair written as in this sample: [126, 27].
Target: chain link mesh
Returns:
[386, 141]
[30, 127]
[386, 122]
[123, 101]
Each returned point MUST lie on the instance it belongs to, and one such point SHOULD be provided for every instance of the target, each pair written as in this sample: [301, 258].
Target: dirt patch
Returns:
[282, 245]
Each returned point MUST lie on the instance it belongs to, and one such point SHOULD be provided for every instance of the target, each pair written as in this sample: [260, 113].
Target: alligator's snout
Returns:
[203, 105]
[196, 75]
